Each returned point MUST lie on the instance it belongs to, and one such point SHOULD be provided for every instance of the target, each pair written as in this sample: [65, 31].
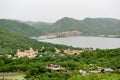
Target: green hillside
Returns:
[19, 27]
[41, 26]
[10, 42]
[65, 24]
[88, 26]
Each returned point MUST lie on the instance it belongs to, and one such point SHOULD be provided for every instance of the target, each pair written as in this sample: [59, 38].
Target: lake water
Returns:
[86, 42]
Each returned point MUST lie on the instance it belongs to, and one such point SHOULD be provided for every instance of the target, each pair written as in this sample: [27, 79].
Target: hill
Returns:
[19, 27]
[41, 26]
[88, 26]
[65, 24]
[10, 42]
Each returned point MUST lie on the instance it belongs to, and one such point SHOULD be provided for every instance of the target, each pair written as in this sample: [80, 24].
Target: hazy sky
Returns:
[52, 10]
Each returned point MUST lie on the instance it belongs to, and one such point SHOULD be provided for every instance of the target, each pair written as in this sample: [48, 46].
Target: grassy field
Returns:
[17, 77]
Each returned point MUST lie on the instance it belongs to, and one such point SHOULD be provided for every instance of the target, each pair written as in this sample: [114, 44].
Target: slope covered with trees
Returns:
[19, 27]
[10, 42]
[41, 26]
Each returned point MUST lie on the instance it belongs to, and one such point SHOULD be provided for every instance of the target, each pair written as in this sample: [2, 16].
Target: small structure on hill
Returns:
[108, 70]
[27, 53]
[88, 49]
[84, 73]
[73, 51]
[55, 67]
[57, 50]
[9, 56]
[95, 71]
[101, 70]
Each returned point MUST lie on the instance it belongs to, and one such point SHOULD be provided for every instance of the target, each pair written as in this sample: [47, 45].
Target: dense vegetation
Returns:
[35, 69]
[19, 27]
[41, 26]
[88, 26]
[10, 42]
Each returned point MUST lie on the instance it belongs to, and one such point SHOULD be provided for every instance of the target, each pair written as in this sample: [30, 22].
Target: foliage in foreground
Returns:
[36, 68]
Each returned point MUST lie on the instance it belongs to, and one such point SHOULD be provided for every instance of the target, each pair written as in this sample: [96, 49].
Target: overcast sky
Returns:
[52, 10]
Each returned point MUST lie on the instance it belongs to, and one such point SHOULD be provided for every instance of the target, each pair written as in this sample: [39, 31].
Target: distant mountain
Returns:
[19, 27]
[88, 26]
[64, 24]
[41, 26]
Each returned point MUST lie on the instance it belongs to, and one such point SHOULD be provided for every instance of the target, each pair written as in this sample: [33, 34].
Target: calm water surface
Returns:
[85, 42]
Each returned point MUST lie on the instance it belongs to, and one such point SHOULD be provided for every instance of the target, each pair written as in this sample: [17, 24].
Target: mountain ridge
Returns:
[88, 26]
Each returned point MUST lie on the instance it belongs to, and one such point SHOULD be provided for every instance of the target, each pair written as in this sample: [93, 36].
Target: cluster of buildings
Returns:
[71, 52]
[31, 53]
[27, 53]
[64, 34]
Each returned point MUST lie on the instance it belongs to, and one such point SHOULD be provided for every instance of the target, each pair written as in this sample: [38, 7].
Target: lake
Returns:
[86, 42]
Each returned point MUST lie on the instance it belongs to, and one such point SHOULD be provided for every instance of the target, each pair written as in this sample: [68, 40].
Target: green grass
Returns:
[17, 76]
[107, 76]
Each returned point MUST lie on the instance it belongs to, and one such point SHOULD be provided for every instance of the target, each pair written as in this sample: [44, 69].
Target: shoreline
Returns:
[44, 37]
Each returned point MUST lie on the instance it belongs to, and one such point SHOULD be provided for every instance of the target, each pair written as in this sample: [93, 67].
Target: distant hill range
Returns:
[87, 26]
[41, 26]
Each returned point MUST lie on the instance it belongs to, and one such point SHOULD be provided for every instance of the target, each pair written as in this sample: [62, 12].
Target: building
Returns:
[84, 73]
[55, 67]
[108, 70]
[57, 50]
[27, 53]
[71, 33]
[72, 51]
[64, 34]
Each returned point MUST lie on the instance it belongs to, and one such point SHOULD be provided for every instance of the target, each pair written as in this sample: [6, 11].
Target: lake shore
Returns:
[86, 42]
